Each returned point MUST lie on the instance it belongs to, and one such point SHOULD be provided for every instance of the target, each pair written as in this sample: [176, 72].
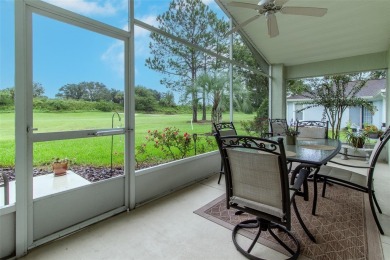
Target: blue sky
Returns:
[66, 54]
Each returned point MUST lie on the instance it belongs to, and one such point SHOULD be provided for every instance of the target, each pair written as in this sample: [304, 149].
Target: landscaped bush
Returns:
[105, 106]
[147, 104]
[56, 105]
[72, 105]
[256, 127]
[205, 143]
[171, 144]
[170, 141]
[6, 99]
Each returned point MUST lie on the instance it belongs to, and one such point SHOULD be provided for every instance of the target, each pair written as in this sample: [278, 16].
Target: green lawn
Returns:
[96, 151]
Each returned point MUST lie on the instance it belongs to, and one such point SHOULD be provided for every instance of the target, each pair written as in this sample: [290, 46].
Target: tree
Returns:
[296, 87]
[38, 90]
[241, 97]
[71, 91]
[213, 86]
[167, 99]
[95, 91]
[117, 96]
[145, 99]
[259, 125]
[7, 96]
[256, 85]
[90, 91]
[378, 74]
[9, 92]
[190, 20]
[335, 94]
[219, 44]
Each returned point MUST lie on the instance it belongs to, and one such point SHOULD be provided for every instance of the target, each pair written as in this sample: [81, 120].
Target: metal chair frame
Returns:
[324, 124]
[282, 123]
[220, 128]
[264, 221]
[369, 188]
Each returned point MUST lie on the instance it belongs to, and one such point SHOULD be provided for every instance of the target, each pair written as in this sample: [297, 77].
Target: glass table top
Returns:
[313, 151]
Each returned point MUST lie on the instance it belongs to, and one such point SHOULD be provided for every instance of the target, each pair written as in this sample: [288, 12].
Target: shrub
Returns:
[5, 99]
[56, 105]
[205, 144]
[370, 129]
[170, 141]
[257, 127]
[104, 106]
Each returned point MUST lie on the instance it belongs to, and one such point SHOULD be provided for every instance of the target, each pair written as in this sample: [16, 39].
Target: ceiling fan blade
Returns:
[310, 11]
[245, 5]
[272, 25]
[239, 26]
[280, 2]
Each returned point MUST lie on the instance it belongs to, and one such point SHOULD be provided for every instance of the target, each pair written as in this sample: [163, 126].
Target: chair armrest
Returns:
[352, 166]
[303, 173]
[355, 156]
[267, 134]
[298, 169]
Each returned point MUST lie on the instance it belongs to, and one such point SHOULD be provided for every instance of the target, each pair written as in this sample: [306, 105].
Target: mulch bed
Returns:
[92, 174]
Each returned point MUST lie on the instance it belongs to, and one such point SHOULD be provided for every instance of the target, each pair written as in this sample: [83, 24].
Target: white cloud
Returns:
[114, 57]
[125, 27]
[86, 7]
[140, 32]
[141, 36]
[150, 19]
[141, 47]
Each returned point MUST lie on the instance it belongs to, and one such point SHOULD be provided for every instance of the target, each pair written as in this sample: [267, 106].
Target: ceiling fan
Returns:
[269, 8]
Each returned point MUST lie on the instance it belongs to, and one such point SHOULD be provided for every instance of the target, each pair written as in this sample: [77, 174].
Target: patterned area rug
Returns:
[343, 227]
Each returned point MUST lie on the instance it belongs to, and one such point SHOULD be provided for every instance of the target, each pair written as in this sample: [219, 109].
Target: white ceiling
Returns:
[350, 28]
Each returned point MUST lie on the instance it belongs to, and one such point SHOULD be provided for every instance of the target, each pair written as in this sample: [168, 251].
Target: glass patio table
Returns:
[310, 153]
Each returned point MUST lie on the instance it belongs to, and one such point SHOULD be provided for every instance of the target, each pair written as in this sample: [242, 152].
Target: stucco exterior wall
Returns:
[351, 114]
[377, 118]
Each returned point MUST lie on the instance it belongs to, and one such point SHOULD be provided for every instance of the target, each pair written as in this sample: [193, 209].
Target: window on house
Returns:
[366, 116]
[298, 115]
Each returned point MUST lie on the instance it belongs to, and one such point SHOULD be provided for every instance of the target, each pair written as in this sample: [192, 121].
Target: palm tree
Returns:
[213, 86]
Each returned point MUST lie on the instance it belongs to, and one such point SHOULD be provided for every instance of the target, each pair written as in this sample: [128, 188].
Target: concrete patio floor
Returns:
[167, 228]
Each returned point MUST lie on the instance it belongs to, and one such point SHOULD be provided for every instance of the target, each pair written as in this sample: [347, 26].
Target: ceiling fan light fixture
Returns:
[263, 2]
[272, 24]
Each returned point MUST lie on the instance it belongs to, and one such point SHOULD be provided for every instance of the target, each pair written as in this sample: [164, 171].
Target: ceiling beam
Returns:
[367, 62]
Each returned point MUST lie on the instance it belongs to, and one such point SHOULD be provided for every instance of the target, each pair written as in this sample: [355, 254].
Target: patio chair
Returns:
[312, 129]
[5, 184]
[223, 129]
[351, 179]
[257, 183]
[278, 127]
